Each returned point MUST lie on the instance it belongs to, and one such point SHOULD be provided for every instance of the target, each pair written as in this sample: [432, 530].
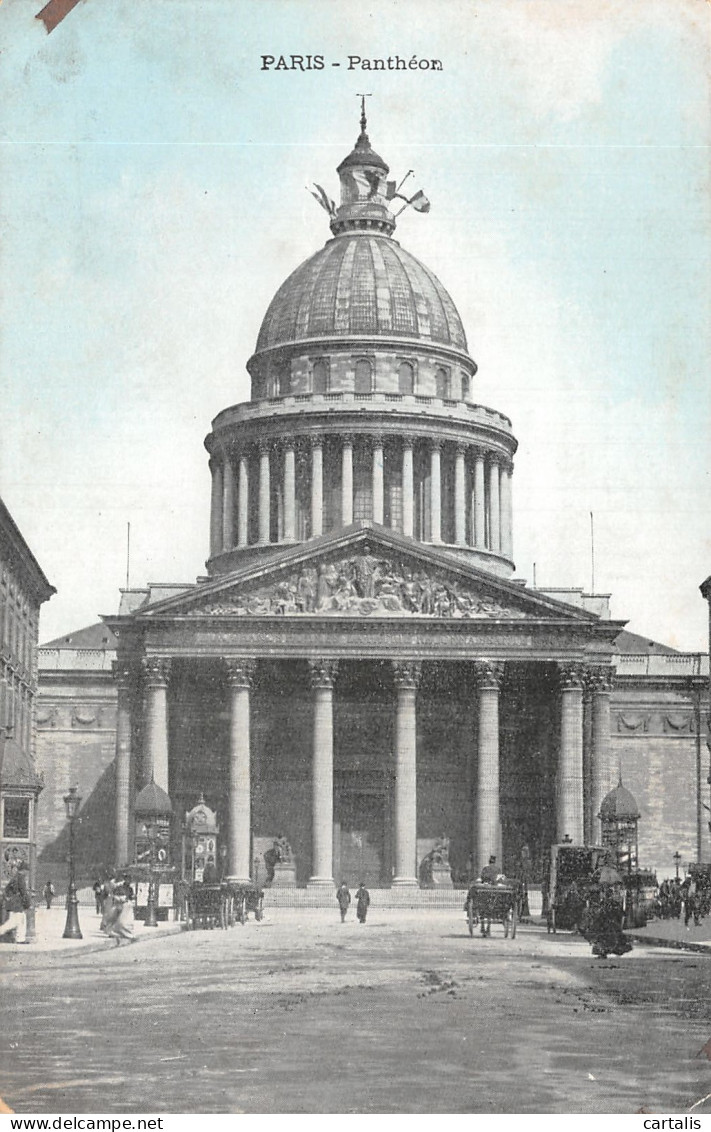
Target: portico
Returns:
[440, 699]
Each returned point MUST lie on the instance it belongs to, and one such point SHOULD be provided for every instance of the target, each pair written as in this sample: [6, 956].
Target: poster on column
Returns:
[354, 379]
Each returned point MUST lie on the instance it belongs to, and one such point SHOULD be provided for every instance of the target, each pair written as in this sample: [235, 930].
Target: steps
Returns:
[420, 898]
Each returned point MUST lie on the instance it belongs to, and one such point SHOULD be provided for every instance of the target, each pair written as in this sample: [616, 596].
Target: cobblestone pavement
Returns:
[404, 1014]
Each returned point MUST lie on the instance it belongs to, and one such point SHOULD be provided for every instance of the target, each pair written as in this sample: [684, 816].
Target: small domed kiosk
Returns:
[619, 814]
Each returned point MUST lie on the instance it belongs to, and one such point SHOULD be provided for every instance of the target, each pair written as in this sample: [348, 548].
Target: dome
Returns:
[619, 805]
[152, 800]
[361, 283]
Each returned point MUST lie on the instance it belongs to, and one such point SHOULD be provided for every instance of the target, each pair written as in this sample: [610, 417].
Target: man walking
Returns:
[343, 896]
[362, 902]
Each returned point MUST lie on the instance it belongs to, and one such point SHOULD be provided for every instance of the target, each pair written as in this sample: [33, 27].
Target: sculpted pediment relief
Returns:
[362, 585]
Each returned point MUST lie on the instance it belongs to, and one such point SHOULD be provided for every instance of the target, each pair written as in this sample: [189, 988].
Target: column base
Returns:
[320, 882]
[405, 882]
[238, 880]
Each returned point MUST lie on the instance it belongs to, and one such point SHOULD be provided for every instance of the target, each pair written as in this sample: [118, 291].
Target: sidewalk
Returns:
[672, 933]
[49, 926]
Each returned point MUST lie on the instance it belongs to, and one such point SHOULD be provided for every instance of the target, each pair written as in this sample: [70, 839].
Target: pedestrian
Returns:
[363, 902]
[98, 887]
[107, 903]
[343, 896]
[122, 923]
[16, 901]
[48, 893]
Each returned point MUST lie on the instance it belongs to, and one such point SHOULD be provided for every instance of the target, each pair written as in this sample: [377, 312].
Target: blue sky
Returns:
[153, 200]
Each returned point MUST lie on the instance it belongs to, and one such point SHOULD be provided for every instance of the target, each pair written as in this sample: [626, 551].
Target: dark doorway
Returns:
[360, 839]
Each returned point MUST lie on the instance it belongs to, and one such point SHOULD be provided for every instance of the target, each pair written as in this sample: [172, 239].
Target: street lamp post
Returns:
[151, 920]
[72, 802]
[677, 859]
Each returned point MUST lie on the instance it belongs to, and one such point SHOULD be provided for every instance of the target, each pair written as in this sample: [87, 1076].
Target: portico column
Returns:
[408, 490]
[435, 492]
[323, 674]
[156, 670]
[407, 676]
[264, 494]
[289, 492]
[243, 501]
[228, 504]
[347, 481]
[239, 681]
[494, 509]
[123, 675]
[479, 501]
[460, 514]
[600, 778]
[378, 485]
[569, 808]
[488, 817]
[506, 513]
[316, 487]
[216, 507]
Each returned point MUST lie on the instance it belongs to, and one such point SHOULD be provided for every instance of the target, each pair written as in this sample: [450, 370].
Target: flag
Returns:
[420, 202]
[323, 199]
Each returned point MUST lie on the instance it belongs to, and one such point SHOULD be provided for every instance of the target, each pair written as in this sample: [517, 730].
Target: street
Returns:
[404, 1014]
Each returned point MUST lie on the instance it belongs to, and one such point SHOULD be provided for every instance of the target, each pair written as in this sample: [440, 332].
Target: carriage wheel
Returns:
[259, 912]
[231, 910]
[553, 919]
[224, 912]
[243, 909]
[507, 917]
[470, 918]
[513, 922]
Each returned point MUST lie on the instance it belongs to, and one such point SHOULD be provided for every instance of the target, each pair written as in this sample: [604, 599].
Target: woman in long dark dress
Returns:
[603, 928]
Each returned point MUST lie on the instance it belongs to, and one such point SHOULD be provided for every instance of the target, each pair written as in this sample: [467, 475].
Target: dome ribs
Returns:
[402, 300]
[363, 284]
[323, 297]
[382, 289]
[341, 320]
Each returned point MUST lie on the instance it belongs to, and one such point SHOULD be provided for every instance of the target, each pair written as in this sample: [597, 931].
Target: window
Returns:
[16, 819]
[319, 376]
[284, 381]
[406, 378]
[363, 376]
[442, 383]
[466, 387]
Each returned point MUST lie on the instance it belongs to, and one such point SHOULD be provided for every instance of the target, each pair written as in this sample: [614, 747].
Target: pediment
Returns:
[367, 574]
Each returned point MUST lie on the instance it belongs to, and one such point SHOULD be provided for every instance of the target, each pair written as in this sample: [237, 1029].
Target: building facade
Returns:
[23, 589]
[359, 672]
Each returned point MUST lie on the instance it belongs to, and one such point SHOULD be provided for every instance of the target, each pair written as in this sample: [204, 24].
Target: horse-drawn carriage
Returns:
[493, 902]
[570, 875]
[222, 905]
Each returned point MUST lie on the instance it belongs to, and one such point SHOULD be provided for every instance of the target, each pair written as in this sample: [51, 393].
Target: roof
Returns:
[18, 768]
[633, 644]
[97, 636]
[18, 551]
[152, 800]
[362, 283]
[619, 805]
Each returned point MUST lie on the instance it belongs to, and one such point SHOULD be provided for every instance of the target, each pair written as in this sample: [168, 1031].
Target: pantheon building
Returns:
[359, 672]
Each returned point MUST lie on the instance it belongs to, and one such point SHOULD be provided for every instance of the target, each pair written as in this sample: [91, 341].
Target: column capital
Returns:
[264, 447]
[461, 447]
[571, 675]
[407, 673]
[240, 673]
[322, 673]
[156, 671]
[288, 443]
[489, 675]
[346, 439]
[124, 673]
[316, 441]
[435, 443]
[599, 678]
